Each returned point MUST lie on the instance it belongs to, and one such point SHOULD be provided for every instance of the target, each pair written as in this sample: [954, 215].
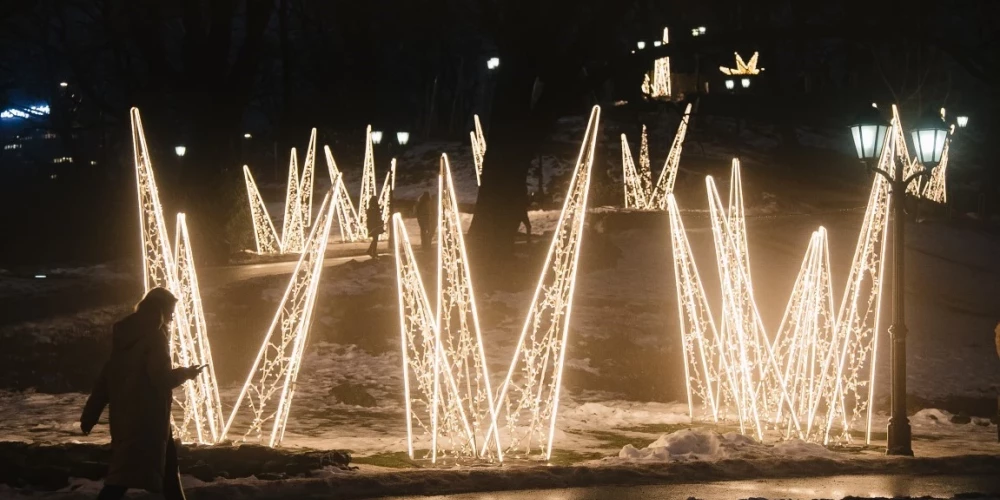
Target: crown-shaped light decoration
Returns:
[743, 68]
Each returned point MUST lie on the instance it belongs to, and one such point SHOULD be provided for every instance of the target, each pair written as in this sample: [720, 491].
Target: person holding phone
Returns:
[137, 384]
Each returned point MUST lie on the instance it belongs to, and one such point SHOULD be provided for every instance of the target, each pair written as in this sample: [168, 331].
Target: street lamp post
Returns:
[870, 133]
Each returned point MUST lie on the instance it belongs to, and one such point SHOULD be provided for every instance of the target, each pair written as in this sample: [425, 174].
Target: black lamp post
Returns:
[870, 133]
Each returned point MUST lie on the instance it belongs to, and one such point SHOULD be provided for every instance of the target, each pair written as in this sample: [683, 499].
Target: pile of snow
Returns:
[703, 444]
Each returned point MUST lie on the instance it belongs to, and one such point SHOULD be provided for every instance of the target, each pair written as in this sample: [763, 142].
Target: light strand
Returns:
[367, 184]
[306, 183]
[478, 142]
[347, 216]
[292, 231]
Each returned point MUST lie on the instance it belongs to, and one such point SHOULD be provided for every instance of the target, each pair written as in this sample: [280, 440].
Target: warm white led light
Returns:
[367, 184]
[384, 197]
[264, 233]
[270, 385]
[936, 189]
[478, 141]
[198, 402]
[445, 379]
[306, 183]
[743, 68]
[292, 231]
[818, 369]
[659, 84]
[350, 224]
[528, 400]
[639, 191]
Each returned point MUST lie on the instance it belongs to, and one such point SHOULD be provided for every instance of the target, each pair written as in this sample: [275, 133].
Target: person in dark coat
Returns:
[424, 210]
[523, 217]
[137, 383]
[375, 226]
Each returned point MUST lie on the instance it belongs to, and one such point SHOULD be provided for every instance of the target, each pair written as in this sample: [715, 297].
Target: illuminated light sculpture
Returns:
[350, 224]
[478, 142]
[818, 370]
[743, 68]
[199, 402]
[385, 197]
[270, 385]
[264, 233]
[528, 400]
[306, 183]
[292, 231]
[431, 405]
[639, 193]
[658, 86]
[657, 200]
[367, 184]
[203, 390]
[444, 362]
[936, 189]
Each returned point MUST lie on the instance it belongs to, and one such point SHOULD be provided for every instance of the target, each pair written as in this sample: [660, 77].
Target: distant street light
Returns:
[745, 82]
[640, 44]
[180, 150]
[695, 32]
[63, 84]
[730, 84]
[493, 63]
[247, 136]
[701, 30]
[402, 138]
[870, 131]
[376, 136]
[962, 121]
[657, 43]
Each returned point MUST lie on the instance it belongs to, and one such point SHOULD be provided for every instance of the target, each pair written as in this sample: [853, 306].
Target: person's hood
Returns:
[130, 331]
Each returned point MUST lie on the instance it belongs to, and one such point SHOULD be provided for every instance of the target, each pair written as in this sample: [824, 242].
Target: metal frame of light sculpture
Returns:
[266, 237]
[367, 183]
[306, 182]
[199, 404]
[270, 385]
[743, 68]
[350, 228]
[817, 365]
[478, 142]
[528, 400]
[292, 231]
[207, 412]
[639, 193]
[385, 198]
[659, 85]
[910, 164]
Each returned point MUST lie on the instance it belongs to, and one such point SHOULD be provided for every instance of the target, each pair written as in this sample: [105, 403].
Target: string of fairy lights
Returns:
[658, 85]
[640, 194]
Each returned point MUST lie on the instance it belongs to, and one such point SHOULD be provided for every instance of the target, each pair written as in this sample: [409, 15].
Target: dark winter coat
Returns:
[424, 212]
[137, 383]
[375, 224]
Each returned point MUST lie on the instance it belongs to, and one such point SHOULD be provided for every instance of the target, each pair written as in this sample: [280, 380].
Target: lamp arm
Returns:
[881, 172]
[923, 173]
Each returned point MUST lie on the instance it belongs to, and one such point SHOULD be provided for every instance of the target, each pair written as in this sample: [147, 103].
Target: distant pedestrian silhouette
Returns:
[137, 383]
[524, 219]
[424, 211]
[375, 226]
